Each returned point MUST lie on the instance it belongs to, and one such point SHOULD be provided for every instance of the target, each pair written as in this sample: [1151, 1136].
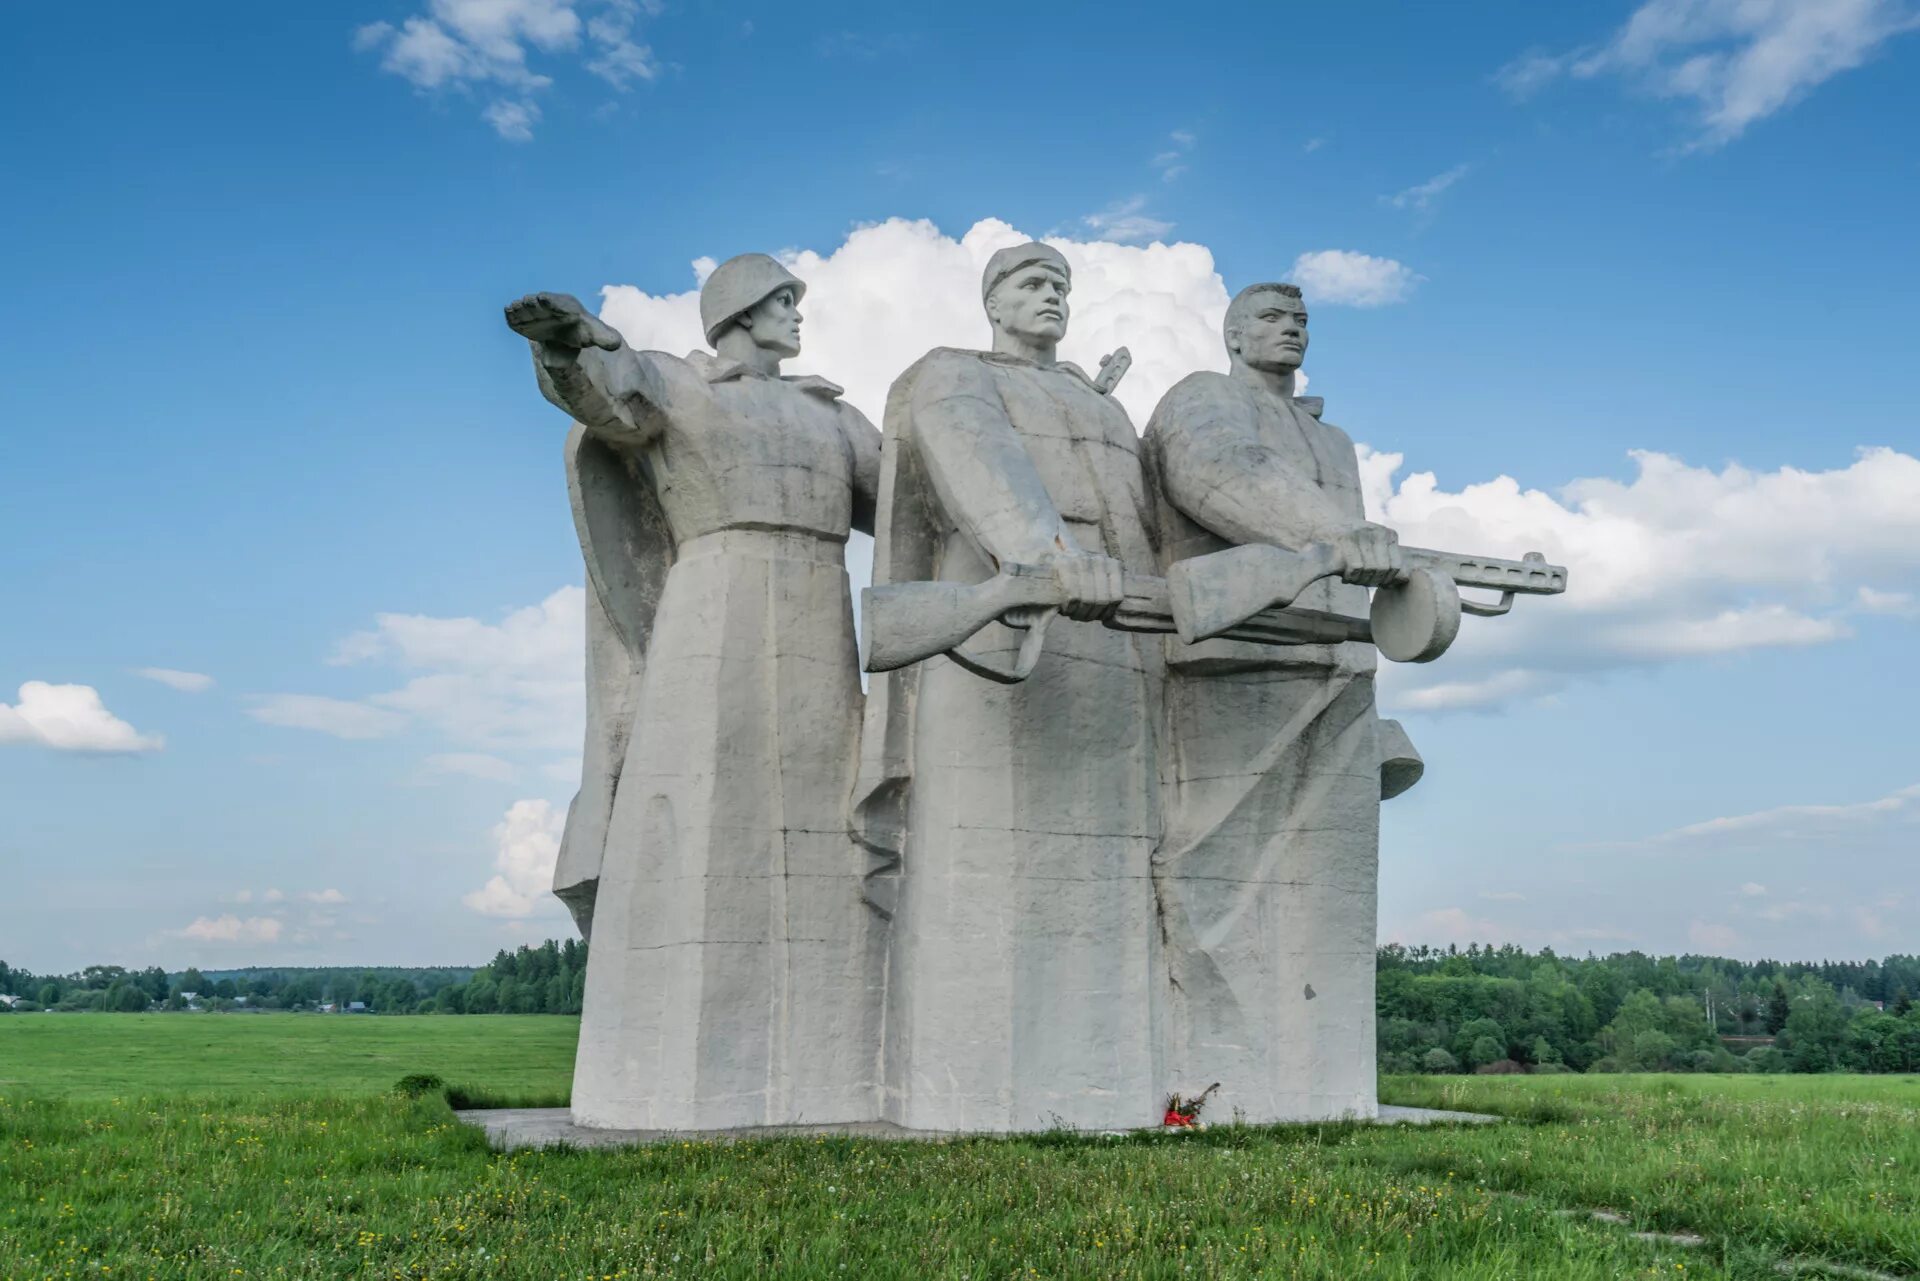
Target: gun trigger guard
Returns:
[1031, 646]
[1480, 609]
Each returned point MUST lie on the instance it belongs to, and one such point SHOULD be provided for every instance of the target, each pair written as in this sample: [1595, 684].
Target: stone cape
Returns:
[734, 973]
[1013, 824]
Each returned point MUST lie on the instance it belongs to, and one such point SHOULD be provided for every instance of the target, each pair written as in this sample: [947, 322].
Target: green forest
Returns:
[1481, 1009]
[1506, 1009]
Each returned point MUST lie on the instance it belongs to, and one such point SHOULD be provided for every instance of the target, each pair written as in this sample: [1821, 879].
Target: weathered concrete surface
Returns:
[735, 976]
[1050, 898]
[1273, 762]
[1021, 988]
[511, 1128]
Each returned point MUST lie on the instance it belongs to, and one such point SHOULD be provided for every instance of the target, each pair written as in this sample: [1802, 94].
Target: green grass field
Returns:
[519, 1059]
[269, 1146]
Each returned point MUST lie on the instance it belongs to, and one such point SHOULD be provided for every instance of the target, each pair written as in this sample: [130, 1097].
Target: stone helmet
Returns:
[740, 284]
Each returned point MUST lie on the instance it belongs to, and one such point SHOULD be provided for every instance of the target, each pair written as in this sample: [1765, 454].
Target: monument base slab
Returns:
[508, 1129]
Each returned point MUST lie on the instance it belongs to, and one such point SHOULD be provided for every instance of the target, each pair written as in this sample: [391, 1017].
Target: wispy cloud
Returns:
[1796, 822]
[1420, 196]
[228, 928]
[185, 682]
[485, 46]
[342, 718]
[1172, 162]
[1123, 222]
[1738, 61]
[475, 765]
[513, 121]
[1897, 604]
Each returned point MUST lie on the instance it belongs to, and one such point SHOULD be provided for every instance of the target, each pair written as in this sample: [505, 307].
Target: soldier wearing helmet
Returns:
[707, 850]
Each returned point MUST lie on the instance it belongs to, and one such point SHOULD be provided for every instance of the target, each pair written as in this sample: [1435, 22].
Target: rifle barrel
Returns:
[1531, 576]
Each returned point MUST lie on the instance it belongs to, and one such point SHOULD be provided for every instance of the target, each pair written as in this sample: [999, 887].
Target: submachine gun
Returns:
[1243, 593]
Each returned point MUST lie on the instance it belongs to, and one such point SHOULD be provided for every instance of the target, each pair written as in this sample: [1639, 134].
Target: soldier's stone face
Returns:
[1031, 304]
[1272, 332]
[774, 322]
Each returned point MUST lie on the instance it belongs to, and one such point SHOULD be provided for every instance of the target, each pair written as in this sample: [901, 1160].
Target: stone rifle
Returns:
[1241, 593]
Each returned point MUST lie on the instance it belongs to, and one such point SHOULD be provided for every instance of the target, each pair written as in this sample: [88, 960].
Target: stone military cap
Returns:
[740, 284]
[1007, 261]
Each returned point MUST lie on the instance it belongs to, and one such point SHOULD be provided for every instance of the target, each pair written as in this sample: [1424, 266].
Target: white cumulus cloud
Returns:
[1677, 562]
[70, 718]
[514, 683]
[1349, 279]
[526, 845]
[896, 289]
[1738, 61]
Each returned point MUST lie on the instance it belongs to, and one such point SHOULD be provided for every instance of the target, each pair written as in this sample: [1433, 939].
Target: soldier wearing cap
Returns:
[1016, 821]
[735, 972]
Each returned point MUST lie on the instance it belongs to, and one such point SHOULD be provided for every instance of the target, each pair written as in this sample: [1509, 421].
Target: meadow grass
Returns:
[338, 1179]
[518, 1059]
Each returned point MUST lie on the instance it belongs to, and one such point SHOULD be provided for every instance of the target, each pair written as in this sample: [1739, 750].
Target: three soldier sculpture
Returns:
[1104, 828]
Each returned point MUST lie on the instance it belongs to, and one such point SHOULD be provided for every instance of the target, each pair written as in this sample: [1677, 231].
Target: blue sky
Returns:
[259, 399]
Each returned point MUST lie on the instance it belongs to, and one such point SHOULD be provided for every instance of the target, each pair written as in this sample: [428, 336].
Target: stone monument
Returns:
[1098, 836]
[735, 973]
[1022, 815]
[1267, 871]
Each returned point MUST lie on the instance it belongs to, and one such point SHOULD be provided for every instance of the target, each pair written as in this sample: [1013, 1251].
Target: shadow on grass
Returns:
[462, 1098]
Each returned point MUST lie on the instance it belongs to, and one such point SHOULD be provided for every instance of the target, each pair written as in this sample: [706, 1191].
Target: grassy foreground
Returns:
[332, 1178]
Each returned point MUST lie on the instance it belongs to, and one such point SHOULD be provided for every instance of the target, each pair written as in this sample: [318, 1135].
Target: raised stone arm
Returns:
[1216, 470]
[587, 370]
[988, 485]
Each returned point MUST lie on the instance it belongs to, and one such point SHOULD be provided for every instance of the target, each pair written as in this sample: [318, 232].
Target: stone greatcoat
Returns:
[1267, 873]
[1014, 822]
[735, 973]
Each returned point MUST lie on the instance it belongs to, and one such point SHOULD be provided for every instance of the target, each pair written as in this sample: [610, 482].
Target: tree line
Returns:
[117, 989]
[1507, 1009]
[1440, 1010]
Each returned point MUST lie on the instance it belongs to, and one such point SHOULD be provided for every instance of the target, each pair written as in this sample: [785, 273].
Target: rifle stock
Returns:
[1214, 593]
[908, 622]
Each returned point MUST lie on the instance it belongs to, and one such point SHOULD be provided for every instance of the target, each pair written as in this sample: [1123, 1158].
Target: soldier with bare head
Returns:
[1017, 819]
[1267, 872]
